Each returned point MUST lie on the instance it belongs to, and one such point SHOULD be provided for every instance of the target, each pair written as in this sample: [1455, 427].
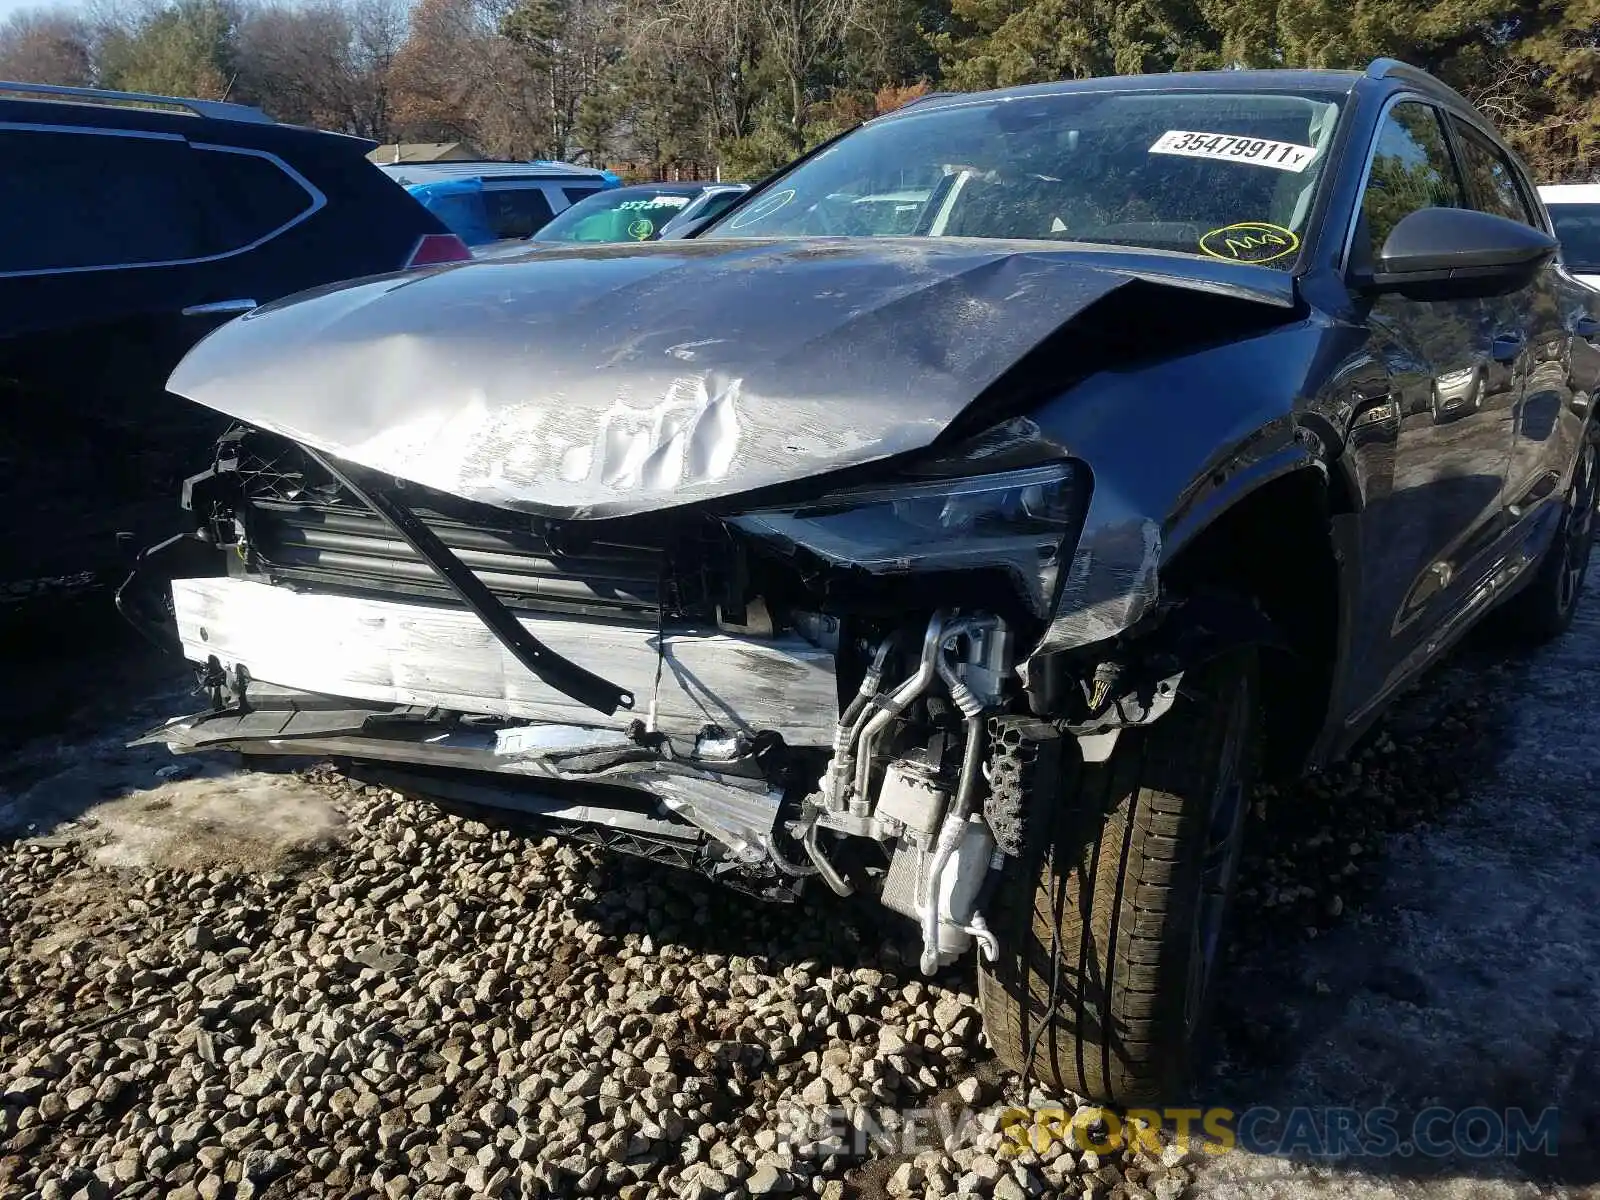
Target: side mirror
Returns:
[1459, 252]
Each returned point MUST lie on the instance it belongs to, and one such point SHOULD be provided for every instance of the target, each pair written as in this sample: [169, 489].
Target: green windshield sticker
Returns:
[641, 230]
[1250, 242]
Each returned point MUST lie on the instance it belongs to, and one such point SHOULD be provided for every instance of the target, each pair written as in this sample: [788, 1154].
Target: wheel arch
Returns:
[1275, 545]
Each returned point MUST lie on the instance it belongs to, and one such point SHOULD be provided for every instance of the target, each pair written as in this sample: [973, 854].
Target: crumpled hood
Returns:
[604, 380]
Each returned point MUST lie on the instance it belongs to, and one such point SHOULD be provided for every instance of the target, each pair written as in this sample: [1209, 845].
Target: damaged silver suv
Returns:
[966, 553]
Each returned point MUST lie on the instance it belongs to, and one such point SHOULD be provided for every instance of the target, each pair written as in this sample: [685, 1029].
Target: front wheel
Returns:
[1110, 935]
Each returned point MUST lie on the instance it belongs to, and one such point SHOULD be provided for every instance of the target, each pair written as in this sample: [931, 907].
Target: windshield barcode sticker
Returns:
[1262, 152]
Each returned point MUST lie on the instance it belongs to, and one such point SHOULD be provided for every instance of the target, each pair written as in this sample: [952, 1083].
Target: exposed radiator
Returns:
[301, 528]
[342, 546]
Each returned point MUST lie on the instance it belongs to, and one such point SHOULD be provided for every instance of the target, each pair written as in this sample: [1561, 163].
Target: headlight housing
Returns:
[1017, 521]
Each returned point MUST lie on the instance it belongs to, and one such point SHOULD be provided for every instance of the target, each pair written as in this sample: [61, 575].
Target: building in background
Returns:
[425, 152]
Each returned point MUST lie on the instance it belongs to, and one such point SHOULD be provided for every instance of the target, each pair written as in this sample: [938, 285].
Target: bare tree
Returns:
[456, 77]
[708, 48]
[799, 35]
[567, 46]
[511, 75]
[1503, 92]
[46, 46]
[326, 63]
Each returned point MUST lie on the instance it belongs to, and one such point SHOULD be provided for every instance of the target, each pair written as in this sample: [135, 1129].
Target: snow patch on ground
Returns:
[1471, 979]
[140, 807]
[220, 816]
[242, 819]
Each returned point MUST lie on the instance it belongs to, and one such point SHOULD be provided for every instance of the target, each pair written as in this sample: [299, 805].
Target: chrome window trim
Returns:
[318, 199]
[92, 131]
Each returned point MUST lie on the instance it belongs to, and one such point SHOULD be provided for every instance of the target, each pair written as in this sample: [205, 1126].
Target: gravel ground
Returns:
[219, 984]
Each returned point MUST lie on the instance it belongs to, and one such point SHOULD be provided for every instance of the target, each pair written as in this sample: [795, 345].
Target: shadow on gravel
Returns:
[1359, 980]
[820, 928]
[80, 682]
[1327, 1004]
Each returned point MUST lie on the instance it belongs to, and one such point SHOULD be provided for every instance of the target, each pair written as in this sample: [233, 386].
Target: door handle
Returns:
[1507, 346]
[220, 308]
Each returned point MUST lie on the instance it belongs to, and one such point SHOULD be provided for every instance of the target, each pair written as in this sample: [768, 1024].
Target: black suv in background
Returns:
[134, 226]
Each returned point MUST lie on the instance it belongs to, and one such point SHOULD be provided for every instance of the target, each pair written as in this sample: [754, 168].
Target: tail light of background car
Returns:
[432, 249]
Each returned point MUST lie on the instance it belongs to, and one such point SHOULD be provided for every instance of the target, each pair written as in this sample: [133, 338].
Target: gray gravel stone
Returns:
[766, 1180]
[440, 1009]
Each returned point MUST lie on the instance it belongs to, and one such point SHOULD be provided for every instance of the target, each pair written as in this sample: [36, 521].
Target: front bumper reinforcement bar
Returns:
[562, 674]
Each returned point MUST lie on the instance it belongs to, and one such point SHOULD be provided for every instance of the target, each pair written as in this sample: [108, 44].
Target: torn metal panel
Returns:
[738, 811]
[550, 807]
[399, 653]
[1212, 428]
[740, 819]
[606, 380]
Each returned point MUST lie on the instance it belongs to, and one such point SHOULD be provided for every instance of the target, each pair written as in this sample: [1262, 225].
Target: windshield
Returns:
[1227, 174]
[1578, 228]
[619, 215]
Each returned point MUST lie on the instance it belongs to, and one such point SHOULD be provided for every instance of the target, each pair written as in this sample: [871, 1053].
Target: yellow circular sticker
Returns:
[641, 230]
[1250, 242]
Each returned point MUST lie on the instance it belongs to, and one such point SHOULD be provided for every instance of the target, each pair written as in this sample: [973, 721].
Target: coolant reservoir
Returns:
[958, 892]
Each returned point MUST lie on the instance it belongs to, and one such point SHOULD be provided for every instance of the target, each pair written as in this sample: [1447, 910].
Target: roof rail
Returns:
[488, 169]
[925, 96]
[218, 110]
[1393, 68]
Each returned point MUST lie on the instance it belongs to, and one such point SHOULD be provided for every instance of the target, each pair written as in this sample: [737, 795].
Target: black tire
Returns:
[1543, 610]
[1120, 912]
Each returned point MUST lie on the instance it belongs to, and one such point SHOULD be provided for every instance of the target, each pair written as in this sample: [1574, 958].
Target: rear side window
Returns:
[252, 196]
[574, 194]
[516, 212]
[97, 200]
[1491, 179]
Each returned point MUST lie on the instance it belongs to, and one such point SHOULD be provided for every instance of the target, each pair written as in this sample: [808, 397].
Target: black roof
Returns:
[195, 119]
[1241, 80]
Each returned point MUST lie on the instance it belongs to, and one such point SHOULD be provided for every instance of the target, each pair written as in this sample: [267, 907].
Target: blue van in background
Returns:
[487, 202]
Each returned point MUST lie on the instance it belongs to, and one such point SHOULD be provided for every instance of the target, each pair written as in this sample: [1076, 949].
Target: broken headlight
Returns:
[1017, 521]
